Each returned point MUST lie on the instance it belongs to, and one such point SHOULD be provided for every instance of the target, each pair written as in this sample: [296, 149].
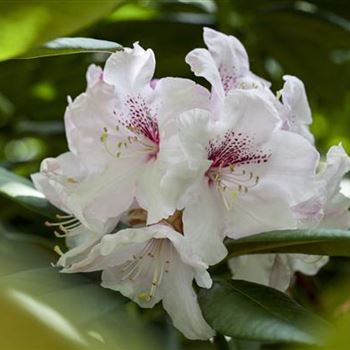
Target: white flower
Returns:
[275, 270]
[149, 265]
[329, 208]
[119, 131]
[336, 209]
[296, 112]
[67, 185]
[225, 64]
[241, 171]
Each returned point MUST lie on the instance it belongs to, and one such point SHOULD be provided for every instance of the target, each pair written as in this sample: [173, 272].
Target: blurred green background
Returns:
[309, 39]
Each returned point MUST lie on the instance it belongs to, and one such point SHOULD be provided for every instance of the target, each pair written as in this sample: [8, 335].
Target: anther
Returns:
[58, 250]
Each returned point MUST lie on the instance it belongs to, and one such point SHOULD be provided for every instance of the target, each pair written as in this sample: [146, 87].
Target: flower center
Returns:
[230, 155]
[136, 130]
[175, 221]
[153, 259]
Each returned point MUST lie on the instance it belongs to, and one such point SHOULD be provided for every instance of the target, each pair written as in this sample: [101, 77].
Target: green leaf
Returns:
[330, 242]
[26, 24]
[250, 311]
[67, 46]
[44, 309]
[21, 190]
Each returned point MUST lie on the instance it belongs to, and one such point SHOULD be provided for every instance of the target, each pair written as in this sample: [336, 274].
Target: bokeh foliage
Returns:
[310, 39]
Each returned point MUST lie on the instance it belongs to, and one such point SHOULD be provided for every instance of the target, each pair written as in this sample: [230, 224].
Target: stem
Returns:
[220, 342]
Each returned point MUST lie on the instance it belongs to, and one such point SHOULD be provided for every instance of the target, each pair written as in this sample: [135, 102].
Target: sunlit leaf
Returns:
[43, 309]
[245, 310]
[25, 24]
[67, 46]
[21, 190]
[330, 242]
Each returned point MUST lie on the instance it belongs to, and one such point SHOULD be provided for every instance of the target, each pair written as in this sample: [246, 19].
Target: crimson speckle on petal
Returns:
[235, 149]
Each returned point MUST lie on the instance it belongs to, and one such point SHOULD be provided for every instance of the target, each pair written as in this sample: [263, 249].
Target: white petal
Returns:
[311, 212]
[227, 51]
[270, 270]
[94, 74]
[115, 253]
[185, 158]
[203, 225]
[195, 131]
[110, 193]
[292, 167]
[93, 199]
[307, 264]
[282, 273]
[294, 97]
[338, 164]
[85, 120]
[203, 65]
[175, 96]
[180, 301]
[253, 268]
[130, 70]
[79, 247]
[56, 177]
[259, 210]
[150, 194]
[244, 110]
[336, 213]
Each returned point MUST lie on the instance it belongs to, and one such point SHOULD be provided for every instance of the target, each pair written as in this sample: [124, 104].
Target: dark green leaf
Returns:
[330, 242]
[21, 190]
[26, 24]
[245, 310]
[60, 311]
[67, 46]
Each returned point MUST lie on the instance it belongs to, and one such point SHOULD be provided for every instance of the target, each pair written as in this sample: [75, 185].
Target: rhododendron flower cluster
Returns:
[186, 169]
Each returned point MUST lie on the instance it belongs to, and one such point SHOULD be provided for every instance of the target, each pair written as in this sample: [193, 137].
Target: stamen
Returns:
[58, 250]
[70, 227]
[157, 252]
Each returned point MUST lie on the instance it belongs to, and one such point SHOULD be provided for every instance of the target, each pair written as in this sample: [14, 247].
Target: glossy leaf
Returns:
[67, 46]
[21, 190]
[51, 310]
[245, 310]
[25, 24]
[330, 242]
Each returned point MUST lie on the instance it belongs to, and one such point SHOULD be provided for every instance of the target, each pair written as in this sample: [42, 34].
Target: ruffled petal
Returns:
[203, 65]
[93, 199]
[295, 99]
[337, 165]
[297, 113]
[227, 52]
[94, 75]
[130, 70]
[307, 264]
